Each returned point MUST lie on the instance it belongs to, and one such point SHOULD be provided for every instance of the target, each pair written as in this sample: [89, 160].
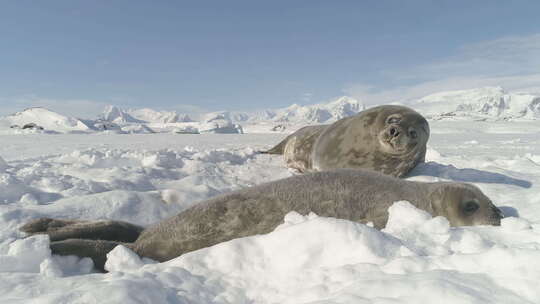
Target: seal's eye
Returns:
[470, 207]
[393, 120]
[413, 134]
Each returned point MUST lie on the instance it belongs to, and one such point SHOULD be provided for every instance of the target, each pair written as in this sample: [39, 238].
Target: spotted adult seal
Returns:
[356, 195]
[389, 139]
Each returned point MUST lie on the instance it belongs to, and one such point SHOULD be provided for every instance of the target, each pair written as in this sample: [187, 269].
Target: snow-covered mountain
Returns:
[488, 102]
[43, 119]
[311, 114]
[151, 121]
[149, 115]
[491, 103]
[116, 115]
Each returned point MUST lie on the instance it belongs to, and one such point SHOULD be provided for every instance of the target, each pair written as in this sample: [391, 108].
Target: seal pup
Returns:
[389, 139]
[356, 195]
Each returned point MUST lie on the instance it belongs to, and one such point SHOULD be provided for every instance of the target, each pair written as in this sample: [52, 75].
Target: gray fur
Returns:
[365, 141]
[94, 230]
[362, 141]
[95, 249]
[356, 195]
[297, 147]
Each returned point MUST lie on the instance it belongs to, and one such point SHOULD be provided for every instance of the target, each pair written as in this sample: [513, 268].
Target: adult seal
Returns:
[389, 139]
[356, 195]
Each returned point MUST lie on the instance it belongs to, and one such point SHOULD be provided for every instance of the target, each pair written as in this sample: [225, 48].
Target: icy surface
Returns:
[143, 178]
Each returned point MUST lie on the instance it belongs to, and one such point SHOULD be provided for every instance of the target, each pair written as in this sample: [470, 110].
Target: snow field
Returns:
[307, 259]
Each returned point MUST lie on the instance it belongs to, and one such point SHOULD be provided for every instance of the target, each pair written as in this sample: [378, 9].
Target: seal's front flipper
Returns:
[278, 149]
[95, 249]
[69, 229]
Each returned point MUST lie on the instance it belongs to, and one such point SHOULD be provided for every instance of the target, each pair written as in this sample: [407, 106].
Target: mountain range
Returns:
[485, 103]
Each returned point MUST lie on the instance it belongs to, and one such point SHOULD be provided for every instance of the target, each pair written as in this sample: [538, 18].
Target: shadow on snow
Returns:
[467, 175]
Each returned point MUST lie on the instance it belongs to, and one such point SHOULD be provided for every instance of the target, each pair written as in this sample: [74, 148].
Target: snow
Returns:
[320, 113]
[132, 165]
[150, 115]
[487, 102]
[219, 122]
[118, 116]
[295, 116]
[264, 121]
[481, 104]
[143, 178]
[150, 121]
[44, 118]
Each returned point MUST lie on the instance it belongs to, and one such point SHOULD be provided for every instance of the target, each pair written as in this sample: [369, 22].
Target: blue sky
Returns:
[77, 56]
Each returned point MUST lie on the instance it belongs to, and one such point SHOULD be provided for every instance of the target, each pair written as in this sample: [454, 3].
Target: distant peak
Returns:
[492, 102]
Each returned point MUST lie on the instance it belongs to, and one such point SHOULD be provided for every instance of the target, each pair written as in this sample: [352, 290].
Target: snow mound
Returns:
[219, 122]
[25, 255]
[326, 242]
[46, 119]
[491, 102]
[306, 259]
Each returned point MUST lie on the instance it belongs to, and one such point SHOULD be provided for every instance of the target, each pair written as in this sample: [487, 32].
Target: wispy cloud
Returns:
[510, 62]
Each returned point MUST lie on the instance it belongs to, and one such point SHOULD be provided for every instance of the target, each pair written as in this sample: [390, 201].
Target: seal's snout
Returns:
[396, 137]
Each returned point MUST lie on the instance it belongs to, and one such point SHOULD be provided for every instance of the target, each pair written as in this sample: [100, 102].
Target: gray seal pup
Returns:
[389, 139]
[356, 195]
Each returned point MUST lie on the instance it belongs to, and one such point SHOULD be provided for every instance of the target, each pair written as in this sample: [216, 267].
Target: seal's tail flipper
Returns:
[278, 149]
[95, 249]
[59, 230]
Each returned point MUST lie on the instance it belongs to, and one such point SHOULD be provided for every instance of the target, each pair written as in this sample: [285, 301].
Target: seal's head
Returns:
[464, 205]
[401, 130]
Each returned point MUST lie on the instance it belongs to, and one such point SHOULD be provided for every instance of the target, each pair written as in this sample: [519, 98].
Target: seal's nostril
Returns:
[394, 132]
